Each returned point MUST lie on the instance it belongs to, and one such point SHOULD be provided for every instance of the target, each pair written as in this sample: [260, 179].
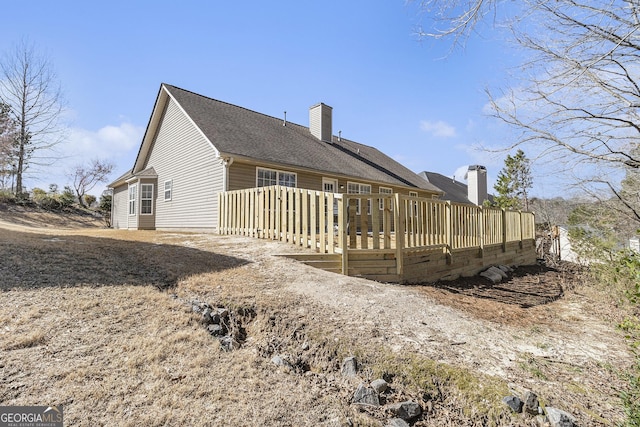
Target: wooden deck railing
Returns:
[334, 223]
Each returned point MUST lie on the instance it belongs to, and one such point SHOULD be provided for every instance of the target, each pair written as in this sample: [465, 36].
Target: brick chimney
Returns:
[320, 122]
[477, 184]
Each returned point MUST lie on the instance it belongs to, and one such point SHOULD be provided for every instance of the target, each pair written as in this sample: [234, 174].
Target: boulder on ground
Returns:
[559, 418]
[349, 367]
[365, 396]
[514, 403]
[406, 410]
[379, 385]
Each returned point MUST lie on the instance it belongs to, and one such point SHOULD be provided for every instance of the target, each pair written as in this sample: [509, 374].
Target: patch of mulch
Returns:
[523, 298]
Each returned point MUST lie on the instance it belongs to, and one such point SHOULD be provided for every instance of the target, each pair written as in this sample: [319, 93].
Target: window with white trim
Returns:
[168, 189]
[357, 188]
[413, 202]
[384, 190]
[133, 194]
[146, 199]
[266, 177]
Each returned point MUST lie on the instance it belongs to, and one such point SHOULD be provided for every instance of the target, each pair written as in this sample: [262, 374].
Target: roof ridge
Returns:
[232, 105]
[338, 138]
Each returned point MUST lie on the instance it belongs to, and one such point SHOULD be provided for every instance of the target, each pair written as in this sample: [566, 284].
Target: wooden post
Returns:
[504, 230]
[342, 233]
[364, 223]
[401, 225]
[330, 224]
[449, 231]
[386, 223]
[305, 218]
[351, 208]
[375, 221]
[521, 229]
[220, 210]
[322, 212]
[314, 220]
[481, 230]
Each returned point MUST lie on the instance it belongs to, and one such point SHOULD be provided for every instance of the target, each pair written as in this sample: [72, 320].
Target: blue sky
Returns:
[414, 100]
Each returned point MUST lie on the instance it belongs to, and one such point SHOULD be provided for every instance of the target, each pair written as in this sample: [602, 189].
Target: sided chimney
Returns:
[320, 122]
[477, 184]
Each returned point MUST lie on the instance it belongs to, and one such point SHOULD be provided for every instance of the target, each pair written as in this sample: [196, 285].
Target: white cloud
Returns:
[108, 142]
[438, 128]
[116, 143]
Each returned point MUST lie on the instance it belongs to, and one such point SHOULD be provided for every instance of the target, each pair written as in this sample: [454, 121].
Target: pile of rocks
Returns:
[530, 405]
[497, 274]
[370, 394]
[222, 324]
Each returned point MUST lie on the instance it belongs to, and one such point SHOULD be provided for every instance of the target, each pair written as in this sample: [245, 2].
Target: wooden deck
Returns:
[394, 238]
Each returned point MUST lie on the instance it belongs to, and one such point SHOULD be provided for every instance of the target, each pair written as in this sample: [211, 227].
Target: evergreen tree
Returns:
[514, 182]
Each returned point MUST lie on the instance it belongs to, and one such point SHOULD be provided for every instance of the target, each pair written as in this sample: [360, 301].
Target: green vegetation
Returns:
[514, 182]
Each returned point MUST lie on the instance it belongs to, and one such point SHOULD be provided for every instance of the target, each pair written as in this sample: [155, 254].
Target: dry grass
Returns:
[99, 321]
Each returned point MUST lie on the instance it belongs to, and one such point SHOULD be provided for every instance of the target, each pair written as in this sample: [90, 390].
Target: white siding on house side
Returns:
[120, 206]
[181, 154]
[133, 217]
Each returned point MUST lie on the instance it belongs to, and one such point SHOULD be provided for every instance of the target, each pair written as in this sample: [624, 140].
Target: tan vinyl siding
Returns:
[120, 205]
[181, 154]
[146, 221]
[243, 175]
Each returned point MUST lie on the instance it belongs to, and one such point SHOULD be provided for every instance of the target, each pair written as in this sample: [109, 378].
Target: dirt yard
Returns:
[101, 322]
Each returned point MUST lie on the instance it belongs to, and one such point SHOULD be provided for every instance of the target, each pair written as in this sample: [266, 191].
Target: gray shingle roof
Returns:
[454, 191]
[238, 131]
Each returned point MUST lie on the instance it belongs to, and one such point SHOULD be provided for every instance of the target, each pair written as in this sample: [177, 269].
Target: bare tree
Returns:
[7, 139]
[30, 88]
[455, 19]
[578, 104]
[86, 177]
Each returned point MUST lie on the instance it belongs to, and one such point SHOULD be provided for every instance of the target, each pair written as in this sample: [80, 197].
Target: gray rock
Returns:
[349, 367]
[531, 403]
[366, 396]
[380, 385]
[228, 343]
[280, 361]
[492, 276]
[559, 418]
[223, 312]
[499, 271]
[505, 268]
[397, 422]
[215, 330]
[514, 403]
[215, 318]
[406, 410]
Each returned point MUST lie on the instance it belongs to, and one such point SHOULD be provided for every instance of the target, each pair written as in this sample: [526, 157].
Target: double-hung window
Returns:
[168, 187]
[146, 199]
[133, 194]
[357, 188]
[384, 190]
[266, 177]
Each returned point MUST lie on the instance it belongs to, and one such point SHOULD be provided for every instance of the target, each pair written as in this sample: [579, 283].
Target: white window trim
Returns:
[330, 181]
[360, 185]
[278, 172]
[167, 199]
[388, 190]
[151, 199]
[132, 202]
[413, 194]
